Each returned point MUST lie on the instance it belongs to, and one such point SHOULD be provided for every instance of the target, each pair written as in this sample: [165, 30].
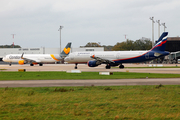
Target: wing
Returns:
[101, 60]
[30, 60]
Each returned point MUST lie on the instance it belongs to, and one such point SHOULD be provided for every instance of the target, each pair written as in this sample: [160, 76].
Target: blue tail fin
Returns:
[161, 43]
[164, 34]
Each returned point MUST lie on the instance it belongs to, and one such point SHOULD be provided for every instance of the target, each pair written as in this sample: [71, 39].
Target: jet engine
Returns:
[21, 62]
[93, 63]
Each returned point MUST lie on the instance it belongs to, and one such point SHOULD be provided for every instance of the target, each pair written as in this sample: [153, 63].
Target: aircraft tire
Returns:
[31, 64]
[121, 66]
[75, 66]
[40, 64]
[108, 67]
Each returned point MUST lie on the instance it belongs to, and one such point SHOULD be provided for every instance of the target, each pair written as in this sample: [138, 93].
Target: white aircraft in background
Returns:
[37, 58]
[115, 58]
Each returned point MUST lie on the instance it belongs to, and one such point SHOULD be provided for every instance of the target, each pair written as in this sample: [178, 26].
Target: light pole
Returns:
[60, 36]
[163, 24]
[158, 21]
[13, 39]
[152, 18]
[125, 36]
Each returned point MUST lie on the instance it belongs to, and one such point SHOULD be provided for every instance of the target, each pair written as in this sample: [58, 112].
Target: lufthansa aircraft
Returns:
[37, 58]
[117, 58]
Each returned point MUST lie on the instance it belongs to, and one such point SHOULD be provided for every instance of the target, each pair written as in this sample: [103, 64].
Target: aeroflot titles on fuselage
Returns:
[83, 53]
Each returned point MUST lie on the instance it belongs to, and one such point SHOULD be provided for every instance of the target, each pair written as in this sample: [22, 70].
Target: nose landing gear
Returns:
[75, 66]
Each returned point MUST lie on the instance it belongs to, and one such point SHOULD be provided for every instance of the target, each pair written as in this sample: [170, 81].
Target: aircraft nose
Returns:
[3, 58]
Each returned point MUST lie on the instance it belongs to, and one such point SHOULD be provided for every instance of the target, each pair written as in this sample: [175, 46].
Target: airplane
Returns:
[117, 58]
[37, 58]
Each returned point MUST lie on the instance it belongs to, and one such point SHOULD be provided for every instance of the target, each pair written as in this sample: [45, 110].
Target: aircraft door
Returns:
[118, 55]
[147, 55]
[72, 56]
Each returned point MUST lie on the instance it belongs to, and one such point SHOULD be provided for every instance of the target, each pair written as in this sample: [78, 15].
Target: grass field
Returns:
[91, 103]
[157, 67]
[83, 75]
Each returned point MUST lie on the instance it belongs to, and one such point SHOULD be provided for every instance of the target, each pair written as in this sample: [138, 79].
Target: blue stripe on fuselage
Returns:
[142, 58]
[158, 48]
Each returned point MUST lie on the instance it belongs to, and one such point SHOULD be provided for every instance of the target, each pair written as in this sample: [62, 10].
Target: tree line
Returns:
[141, 44]
[10, 46]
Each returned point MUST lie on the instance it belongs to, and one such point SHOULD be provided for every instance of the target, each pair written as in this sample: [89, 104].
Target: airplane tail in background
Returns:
[161, 43]
[66, 50]
[164, 34]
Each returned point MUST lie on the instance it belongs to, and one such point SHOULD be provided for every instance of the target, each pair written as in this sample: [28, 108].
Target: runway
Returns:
[100, 68]
[83, 68]
[112, 82]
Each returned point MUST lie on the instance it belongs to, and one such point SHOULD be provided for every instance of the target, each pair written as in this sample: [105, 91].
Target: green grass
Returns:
[150, 67]
[91, 103]
[2, 69]
[83, 75]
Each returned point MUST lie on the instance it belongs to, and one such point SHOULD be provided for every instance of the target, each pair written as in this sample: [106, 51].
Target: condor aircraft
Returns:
[117, 58]
[37, 58]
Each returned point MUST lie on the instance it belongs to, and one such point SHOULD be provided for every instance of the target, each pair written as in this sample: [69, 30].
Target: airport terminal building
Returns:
[173, 46]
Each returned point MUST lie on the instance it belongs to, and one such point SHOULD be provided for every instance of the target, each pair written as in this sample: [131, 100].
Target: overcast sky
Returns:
[36, 22]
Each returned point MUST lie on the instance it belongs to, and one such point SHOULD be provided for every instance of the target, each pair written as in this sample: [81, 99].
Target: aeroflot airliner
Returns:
[117, 58]
[37, 58]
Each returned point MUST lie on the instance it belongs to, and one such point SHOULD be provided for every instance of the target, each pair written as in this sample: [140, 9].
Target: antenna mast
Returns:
[13, 39]
[158, 21]
[60, 36]
[163, 24]
[152, 18]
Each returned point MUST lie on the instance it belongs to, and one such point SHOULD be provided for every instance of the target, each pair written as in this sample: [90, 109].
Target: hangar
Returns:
[173, 46]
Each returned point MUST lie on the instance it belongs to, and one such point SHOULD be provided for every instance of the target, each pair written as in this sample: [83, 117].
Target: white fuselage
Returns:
[39, 58]
[84, 57]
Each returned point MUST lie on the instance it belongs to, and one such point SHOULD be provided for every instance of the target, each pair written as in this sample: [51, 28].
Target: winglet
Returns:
[22, 56]
[93, 56]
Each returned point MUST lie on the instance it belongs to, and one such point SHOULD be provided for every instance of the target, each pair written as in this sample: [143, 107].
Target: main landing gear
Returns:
[40, 64]
[75, 66]
[121, 66]
[108, 66]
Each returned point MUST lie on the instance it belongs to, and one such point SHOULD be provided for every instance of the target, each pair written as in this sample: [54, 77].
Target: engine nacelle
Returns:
[93, 63]
[21, 62]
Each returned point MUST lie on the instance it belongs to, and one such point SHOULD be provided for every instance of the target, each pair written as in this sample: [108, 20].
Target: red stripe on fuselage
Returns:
[163, 42]
[131, 57]
[159, 44]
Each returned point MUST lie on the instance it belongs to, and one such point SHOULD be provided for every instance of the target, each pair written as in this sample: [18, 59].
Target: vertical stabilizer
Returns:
[161, 44]
[164, 34]
[66, 50]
